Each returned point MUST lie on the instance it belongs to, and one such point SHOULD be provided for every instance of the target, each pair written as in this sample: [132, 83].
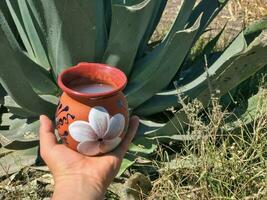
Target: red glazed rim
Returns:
[110, 75]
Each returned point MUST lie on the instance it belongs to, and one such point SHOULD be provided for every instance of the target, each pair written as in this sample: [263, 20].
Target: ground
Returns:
[231, 166]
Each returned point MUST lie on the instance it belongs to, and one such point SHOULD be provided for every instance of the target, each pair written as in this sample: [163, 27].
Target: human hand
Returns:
[78, 176]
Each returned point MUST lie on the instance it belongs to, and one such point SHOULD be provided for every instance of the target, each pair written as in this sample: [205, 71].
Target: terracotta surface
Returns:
[74, 106]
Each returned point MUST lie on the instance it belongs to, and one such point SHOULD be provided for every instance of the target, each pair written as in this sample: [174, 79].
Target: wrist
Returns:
[78, 187]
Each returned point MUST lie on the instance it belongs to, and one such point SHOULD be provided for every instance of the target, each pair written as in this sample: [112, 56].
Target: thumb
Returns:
[47, 138]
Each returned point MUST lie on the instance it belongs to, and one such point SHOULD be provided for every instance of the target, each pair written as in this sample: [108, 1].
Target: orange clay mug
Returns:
[92, 113]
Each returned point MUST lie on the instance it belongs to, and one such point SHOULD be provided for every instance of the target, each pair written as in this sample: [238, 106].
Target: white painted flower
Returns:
[100, 135]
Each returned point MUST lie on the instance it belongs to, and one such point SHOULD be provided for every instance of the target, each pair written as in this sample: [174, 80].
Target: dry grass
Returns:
[223, 164]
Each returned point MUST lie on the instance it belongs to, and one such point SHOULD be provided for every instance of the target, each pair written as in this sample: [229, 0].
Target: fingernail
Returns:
[41, 117]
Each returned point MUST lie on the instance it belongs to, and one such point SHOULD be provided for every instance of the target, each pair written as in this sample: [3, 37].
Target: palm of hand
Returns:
[66, 163]
[101, 169]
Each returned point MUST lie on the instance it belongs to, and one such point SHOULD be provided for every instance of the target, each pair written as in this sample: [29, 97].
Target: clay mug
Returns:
[92, 114]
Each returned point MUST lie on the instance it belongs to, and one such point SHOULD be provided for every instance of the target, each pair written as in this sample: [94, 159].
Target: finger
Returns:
[47, 138]
[121, 150]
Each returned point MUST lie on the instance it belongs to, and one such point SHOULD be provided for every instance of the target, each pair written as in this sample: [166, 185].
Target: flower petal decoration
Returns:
[108, 145]
[99, 120]
[82, 131]
[116, 126]
[100, 135]
[89, 148]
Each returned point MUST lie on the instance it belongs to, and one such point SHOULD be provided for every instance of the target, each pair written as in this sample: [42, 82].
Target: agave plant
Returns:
[39, 39]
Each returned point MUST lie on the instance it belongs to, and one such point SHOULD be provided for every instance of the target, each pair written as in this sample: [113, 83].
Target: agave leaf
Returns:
[127, 162]
[108, 12]
[22, 133]
[254, 109]
[41, 81]
[34, 37]
[126, 2]
[127, 20]
[240, 68]
[175, 126]
[154, 20]
[254, 29]
[181, 137]
[16, 15]
[210, 9]
[39, 78]
[182, 18]
[15, 161]
[143, 145]
[166, 99]
[194, 70]
[7, 14]
[142, 86]
[13, 79]
[147, 127]
[209, 47]
[2, 95]
[190, 70]
[86, 39]
[37, 16]
[14, 108]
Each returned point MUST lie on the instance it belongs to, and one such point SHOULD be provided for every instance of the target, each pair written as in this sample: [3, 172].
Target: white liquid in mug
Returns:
[93, 88]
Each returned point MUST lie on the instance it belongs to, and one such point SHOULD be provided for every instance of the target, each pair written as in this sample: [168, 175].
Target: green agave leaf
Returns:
[142, 86]
[69, 42]
[190, 70]
[6, 13]
[166, 99]
[40, 79]
[240, 68]
[175, 126]
[37, 16]
[127, 162]
[14, 108]
[195, 69]
[187, 75]
[154, 20]
[143, 145]
[107, 12]
[147, 127]
[210, 9]
[16, 15]
[22, 132]
[254, 29]
[247, 114]
[182, 18]
[33, 35]
[209, 47]
[256, 26]
[15, 161]
[13, 79]
[2, 95]
[179, 137]
[126, 2]
[127, 20]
